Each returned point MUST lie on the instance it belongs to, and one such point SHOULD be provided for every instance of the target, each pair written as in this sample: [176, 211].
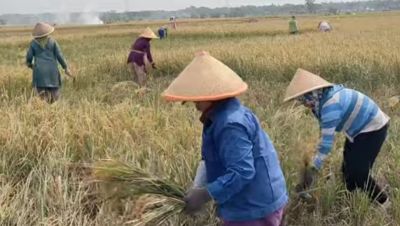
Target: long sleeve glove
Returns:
[200, 180]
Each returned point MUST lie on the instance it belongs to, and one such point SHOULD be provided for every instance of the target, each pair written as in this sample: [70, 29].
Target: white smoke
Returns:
[86, 16]
[89, 18]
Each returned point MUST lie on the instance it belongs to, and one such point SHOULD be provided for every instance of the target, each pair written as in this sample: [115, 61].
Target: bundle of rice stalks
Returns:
[121, 91]
[394, 101]
[158, 199]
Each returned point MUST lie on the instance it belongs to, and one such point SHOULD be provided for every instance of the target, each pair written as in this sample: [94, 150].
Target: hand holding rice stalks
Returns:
[159, 199]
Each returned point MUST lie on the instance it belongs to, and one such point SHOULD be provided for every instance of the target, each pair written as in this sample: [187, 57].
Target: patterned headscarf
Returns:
[313, 99]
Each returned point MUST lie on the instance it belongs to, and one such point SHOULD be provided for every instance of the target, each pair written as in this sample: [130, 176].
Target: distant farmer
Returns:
[163, 32]
[324, 26]
[293, 29]
[43, 57]
[339, 109]
[172, 21]
[240, 169]
[140, 55]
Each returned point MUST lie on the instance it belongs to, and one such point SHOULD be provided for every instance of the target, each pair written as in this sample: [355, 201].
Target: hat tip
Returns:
[202, 53]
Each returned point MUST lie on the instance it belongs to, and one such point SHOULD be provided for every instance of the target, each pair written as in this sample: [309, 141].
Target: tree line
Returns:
[252, 11]
[310, 6]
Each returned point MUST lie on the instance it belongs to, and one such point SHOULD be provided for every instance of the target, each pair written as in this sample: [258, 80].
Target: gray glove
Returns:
[195, 199]
[200, 180]
[307, 180]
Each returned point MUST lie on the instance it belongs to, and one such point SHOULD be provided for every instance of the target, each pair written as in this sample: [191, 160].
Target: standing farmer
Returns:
[172, 21]
[339, 109]
[43, 56]
[139, 56]
[163, 32]
[293, 29]
[239, 165]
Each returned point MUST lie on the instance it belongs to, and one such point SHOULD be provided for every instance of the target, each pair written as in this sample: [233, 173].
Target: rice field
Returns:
[45, 150]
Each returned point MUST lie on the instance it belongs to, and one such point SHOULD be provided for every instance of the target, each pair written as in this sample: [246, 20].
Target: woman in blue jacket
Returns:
[240, 169]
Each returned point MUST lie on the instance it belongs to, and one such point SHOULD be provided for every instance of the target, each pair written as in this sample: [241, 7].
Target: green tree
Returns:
[311, 7]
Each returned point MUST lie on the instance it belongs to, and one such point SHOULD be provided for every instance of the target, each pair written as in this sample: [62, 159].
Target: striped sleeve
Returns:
[330, 118]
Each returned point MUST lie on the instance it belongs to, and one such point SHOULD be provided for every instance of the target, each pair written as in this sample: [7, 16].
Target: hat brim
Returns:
[306, 91]
[150, 37]
[44, 35]
[169, 97]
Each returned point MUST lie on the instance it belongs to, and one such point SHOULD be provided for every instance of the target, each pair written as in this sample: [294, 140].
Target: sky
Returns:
[57, 6]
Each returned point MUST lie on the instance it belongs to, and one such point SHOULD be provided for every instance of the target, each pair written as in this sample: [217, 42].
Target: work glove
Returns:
[195, 199]
[308, 177]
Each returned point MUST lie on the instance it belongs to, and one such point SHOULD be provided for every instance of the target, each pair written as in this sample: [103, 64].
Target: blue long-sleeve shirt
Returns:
[243, 171]
[346, 110]
[239, 163]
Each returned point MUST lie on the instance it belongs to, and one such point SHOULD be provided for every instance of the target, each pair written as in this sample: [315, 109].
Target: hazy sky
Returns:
[41, 6]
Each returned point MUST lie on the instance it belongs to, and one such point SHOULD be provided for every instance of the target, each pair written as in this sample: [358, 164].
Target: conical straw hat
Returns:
[205, 79]
[148, 33]
[304, 82]
[42, 30]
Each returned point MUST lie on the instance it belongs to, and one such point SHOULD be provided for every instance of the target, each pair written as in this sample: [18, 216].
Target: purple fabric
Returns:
[143, 45]
[274, 219]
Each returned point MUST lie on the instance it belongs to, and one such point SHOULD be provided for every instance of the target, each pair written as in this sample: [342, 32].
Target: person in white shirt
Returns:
[324, 26]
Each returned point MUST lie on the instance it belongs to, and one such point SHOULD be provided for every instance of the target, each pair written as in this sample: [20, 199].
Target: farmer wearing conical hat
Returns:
[163, 32]
[240, 169]
[140, 55]
[42, 57]
[339, 109]
[324, 26]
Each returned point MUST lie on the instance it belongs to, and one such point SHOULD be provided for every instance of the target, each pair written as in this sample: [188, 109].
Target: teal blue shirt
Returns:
[44, 63]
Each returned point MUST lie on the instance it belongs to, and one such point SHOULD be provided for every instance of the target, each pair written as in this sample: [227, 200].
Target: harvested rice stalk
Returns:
[394, 101]
[157, 212]
[159, 199]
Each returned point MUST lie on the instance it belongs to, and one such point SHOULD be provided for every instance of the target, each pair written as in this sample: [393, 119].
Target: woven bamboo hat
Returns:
[205, 79]
[148, 33]
[304, 82]
[42, 30]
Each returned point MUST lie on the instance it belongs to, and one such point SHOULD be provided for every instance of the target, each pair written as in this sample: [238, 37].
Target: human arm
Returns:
[29, 56]
[61, 59]
[197, 195]
[200, 179]
[330, 118]
[235, 151]
[148, 53]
